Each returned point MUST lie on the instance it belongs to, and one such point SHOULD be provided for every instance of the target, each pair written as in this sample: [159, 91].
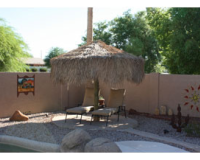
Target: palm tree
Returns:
[90, 25]
[89, 40]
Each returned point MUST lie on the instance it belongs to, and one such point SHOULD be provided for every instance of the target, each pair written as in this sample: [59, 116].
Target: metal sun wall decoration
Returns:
[25, 85]
[192, 97]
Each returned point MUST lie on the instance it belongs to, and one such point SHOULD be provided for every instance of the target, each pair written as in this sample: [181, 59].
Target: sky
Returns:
[44, 28]
[44, 24]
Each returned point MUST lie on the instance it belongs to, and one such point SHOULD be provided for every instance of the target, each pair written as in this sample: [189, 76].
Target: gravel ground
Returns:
[33, 129]
[157, 126]
[40, 128]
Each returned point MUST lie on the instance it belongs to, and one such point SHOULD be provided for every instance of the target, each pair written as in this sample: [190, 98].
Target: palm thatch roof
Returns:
[97, 60]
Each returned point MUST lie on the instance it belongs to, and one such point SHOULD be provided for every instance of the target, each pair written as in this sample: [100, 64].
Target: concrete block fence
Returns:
[155, 90]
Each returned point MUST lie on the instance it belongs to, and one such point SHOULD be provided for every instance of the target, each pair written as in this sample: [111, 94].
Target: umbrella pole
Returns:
[96, 97]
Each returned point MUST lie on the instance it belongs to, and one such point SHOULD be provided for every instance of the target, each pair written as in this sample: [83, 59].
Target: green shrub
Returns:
[28, 70]
[43, 70]
[193, 129]
[34, 69]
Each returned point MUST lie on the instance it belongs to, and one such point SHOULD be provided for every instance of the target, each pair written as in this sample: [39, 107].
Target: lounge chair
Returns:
[87, 106]
[115, 105]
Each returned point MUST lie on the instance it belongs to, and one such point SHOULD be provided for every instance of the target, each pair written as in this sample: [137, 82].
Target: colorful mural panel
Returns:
[25, 85]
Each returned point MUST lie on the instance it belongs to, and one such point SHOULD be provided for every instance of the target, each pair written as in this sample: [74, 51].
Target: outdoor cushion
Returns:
[116, 98]
[80, 109]
[105, 111]
[89, 97]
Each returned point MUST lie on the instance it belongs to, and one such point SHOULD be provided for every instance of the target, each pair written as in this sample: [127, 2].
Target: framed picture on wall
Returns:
[25, 85]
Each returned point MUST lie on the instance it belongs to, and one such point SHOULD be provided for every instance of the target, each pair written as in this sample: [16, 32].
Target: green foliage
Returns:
[122, 29]
[34, 69]
[43, 69]
[158, 19]
[160, 68]
[101, 32]
[53, 53]
[178, 33]
[142, 42]
[193, 129]
[12, 50]
[28, 70]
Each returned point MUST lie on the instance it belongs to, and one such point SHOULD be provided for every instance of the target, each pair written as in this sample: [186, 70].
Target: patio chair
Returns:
[87, 106]
[115, 105]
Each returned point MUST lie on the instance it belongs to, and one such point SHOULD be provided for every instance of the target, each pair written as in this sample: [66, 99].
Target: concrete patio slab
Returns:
[73, 122]
[164, 139]
[145, 146]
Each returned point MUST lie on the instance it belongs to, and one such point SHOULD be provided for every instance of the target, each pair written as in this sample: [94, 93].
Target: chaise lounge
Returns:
[86, 107]
[115, 105]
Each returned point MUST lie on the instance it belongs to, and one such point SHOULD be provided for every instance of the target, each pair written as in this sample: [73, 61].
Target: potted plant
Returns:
[101, 100]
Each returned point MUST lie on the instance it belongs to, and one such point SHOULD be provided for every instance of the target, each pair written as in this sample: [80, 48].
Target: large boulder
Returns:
[101, 145]
[75, 141]
[18, 116]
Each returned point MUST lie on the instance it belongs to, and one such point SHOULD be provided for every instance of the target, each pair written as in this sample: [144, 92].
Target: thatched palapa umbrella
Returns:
[97, 61]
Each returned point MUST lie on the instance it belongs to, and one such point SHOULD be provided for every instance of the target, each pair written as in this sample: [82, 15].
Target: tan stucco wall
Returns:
[48, 97]
[172, 92]
[138, 97]
[155, 90]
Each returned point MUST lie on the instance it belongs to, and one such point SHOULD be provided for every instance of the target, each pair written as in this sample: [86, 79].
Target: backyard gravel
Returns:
[40, 128]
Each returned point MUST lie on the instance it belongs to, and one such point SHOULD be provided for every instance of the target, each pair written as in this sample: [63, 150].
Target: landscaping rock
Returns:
[101, 145]
[75, 141]
[163, 110]
[18, 116]
[157, 112]
[170, 112]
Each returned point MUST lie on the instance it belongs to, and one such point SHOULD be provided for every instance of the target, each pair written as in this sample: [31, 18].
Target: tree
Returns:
[185, 41]
[122, 29]
[12, 50]
[177, 31]
[53, 53]
[140, 41]
[101, 32]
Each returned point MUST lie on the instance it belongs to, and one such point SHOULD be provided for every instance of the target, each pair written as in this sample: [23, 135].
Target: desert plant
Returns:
[179, 125]
[34, 69]
[43, 70]
[193, 129]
